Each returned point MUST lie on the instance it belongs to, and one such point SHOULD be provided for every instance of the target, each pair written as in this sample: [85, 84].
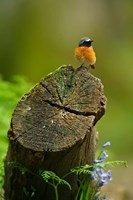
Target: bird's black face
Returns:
[85, 42]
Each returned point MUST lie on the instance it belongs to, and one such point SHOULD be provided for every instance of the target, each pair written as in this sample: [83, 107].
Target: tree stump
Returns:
[53, 127]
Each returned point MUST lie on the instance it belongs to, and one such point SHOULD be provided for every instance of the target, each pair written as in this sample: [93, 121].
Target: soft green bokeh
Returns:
[10, 93]
[36, 37]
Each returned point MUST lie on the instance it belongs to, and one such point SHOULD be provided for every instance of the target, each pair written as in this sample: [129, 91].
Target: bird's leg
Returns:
[93, 66]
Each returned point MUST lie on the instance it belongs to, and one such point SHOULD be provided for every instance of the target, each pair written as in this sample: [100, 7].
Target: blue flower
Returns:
[102, 174]
[101, 183]
[104, 198]
[106, 144]
[105, 155]
[101, 159]
[94, 176]
[99, 173]
[109, 175]
[98, 161]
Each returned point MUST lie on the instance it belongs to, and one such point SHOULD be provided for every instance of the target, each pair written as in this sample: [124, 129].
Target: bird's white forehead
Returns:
[85, 39]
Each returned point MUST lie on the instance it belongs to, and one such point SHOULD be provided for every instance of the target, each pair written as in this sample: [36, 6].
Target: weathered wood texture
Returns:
[53, 127]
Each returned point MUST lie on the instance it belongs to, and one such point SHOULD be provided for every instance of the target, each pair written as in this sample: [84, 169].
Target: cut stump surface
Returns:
[59, 111]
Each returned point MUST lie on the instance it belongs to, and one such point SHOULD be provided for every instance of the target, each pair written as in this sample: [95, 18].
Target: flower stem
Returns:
[56, 192]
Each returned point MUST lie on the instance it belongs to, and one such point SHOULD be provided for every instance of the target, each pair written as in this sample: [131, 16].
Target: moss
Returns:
[64, 79]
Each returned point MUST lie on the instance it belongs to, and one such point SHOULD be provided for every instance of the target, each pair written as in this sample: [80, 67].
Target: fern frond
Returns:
[49, 175]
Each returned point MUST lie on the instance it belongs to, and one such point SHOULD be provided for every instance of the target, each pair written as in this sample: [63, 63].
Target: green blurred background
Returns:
[36, 37]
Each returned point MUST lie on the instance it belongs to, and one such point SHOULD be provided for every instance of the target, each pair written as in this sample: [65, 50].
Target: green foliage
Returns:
[1, 180]
[1, 174]
[48, 176]
[51, 178]
[86, 189]
[96, 176]
[114, 163]
[85, 169]
[18, 165]
[10, 93]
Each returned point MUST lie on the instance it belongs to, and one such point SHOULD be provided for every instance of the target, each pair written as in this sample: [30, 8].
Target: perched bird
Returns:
[85, 53]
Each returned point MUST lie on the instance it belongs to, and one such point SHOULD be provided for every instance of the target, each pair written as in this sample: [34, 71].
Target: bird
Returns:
[85, 53]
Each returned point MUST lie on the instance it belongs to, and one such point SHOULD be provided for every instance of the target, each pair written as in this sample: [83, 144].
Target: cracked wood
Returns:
[59, 111]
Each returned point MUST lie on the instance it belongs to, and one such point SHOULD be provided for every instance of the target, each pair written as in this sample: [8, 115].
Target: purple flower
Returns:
[93, 176]
[104, 198]
[109, 175]
[105, 155]
[106, 144]
[98, 161]
[102, 174]
[102, 158]
[101, 183]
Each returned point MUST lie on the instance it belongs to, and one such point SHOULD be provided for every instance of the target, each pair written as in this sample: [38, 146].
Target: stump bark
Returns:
[53, 127]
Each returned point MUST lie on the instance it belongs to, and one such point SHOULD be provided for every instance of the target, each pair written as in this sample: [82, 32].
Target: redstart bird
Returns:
[85, 53]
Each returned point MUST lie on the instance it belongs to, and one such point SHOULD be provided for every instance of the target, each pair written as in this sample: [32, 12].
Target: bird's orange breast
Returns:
[86, 53]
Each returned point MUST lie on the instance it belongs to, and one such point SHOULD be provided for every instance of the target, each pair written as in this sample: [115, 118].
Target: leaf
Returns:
[18, 165]
[114, 163]
[85, 169]
[49, 175]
